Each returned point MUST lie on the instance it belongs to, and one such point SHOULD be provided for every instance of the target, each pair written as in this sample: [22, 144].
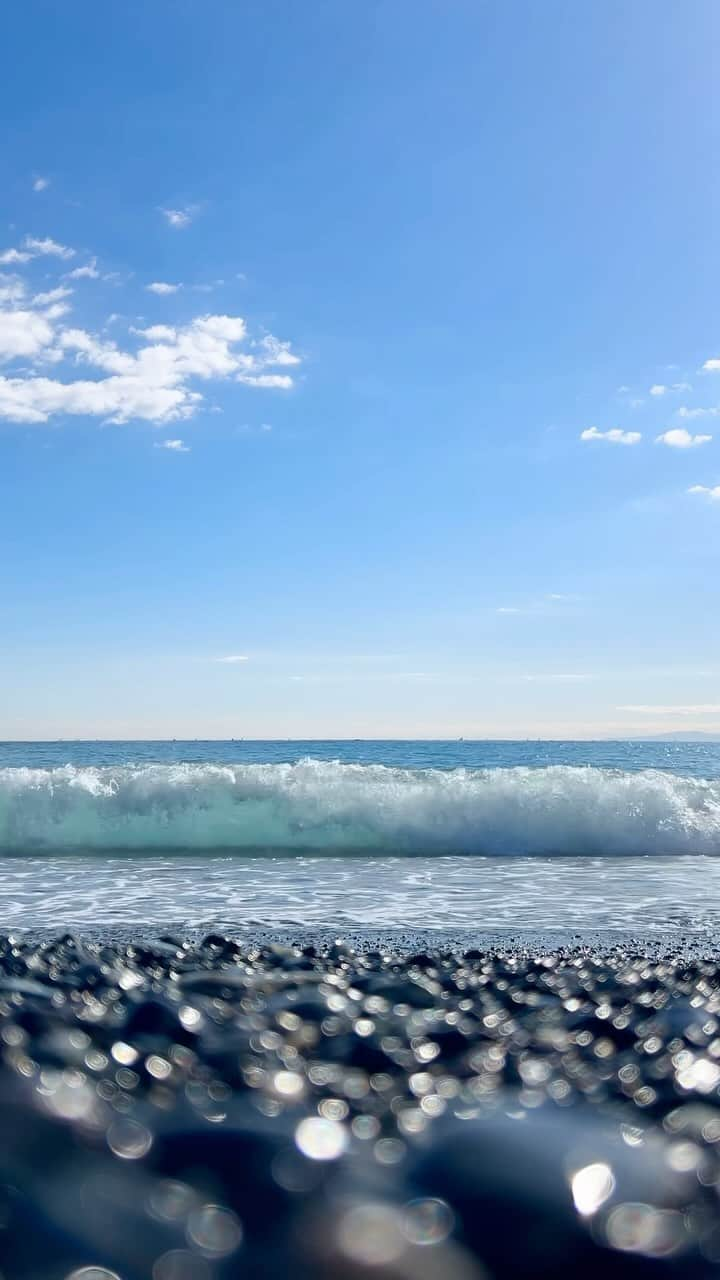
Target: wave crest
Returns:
[319, 807]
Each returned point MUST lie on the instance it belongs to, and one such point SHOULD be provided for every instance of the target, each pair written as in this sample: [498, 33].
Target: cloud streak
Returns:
[660, 389]
[162, 288]
[684, 412]
[614, 436]
[33, 248]
[697, 709]
[706, 491]
[175, 446]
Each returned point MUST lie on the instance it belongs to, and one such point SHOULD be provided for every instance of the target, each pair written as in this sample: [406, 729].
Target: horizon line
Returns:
[669, 735]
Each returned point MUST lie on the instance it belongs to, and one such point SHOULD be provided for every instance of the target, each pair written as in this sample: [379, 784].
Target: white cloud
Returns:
[613, 436]
[508, 609]
[47, 248]
[277, 380]
[659, 389]
[87, 272]
[700, 709]
[150, 381]
[56, 310]
[151, 375]
[156, 332]
[711, 366]
[12, 289]
[10, 257]
[162, 288]
[175, 446]
[277, 352]
[23, 334]
[32, 248]
[116, 399]
[706, 491]
[684, 412]
[679, 438]
[52, 295]
[41, 184]
[90, 350]
[233, 657]
[179, 218]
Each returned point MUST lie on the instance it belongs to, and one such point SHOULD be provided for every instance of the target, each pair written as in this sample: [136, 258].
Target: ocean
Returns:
[561, 837]
[328, 1010]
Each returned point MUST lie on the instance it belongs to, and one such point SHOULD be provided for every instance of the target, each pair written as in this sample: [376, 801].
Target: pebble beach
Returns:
[184, 1108]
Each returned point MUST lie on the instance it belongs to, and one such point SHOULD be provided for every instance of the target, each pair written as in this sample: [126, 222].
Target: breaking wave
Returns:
[328, 807]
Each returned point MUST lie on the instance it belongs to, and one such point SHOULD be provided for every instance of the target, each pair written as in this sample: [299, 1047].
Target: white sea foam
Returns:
[328, 807]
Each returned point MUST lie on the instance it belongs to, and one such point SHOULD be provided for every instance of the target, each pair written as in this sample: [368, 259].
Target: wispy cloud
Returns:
[679, 438]
[47, 247]
[276, 352]
[685, 412]
[162, 288]
[41, 184]
[560, 676]
[33, 248]
[247, 429]
[180, 218]
[546, 604]
[706, 491]
[711, 366]
[697, 709]
[614, 436]
[13, 257]
[175, 446]
[87, 272]
[12, 289]
[661, 389]
[51, 295]
[233, 658]
[280, 381]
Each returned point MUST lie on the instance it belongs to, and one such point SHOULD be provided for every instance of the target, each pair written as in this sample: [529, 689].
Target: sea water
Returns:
[489, 836]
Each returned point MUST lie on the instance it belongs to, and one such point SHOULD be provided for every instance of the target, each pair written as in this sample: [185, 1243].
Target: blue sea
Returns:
[490, 837]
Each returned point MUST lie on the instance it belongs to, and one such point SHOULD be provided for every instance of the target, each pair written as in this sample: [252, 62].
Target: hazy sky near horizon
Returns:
[359, 368]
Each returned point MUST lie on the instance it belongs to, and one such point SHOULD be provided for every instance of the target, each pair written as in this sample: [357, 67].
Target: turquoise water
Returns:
[451, 835]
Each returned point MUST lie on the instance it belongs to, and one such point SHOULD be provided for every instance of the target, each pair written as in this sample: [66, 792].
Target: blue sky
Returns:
[416, 259]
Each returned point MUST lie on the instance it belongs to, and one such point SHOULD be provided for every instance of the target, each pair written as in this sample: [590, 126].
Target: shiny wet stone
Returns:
[217, 1108]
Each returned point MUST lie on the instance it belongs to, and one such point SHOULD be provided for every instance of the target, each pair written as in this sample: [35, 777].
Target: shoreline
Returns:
[399, 940]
